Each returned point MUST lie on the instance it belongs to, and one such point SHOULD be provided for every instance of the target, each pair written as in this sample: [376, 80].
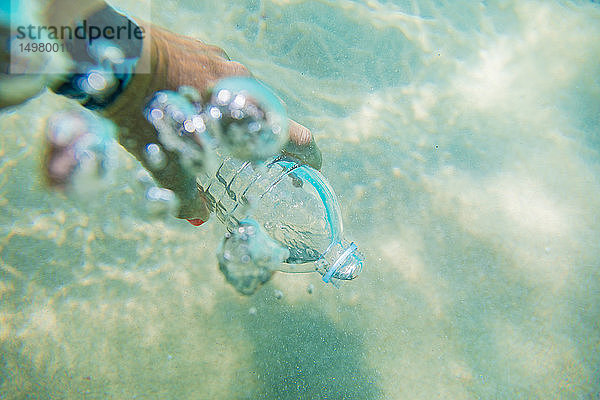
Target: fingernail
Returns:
[195, 222]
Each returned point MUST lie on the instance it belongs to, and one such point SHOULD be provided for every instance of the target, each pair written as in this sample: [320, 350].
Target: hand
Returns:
[182, 61]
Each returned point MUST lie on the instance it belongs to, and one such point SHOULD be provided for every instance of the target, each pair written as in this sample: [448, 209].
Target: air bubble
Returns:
[223, 97]
[97, 81]
[239, 101]
[199, 124]
[189, 126]
[156, 158]
[156, 114]
[215, 113]
[161, 203]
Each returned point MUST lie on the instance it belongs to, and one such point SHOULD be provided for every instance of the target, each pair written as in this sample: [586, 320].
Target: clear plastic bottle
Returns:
[294, 205]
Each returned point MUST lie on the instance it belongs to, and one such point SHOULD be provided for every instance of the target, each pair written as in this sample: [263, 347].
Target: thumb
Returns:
[302, 145]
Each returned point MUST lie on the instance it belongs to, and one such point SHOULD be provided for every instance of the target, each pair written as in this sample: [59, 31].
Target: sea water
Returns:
[462, 139]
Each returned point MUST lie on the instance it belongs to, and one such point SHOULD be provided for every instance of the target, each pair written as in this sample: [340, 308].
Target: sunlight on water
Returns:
[462, 141]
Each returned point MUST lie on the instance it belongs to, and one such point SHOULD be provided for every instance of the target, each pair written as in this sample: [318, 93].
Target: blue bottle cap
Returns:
[347, 266]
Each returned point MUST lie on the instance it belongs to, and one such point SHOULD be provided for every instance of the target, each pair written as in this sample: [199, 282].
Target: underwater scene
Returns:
[462, 140]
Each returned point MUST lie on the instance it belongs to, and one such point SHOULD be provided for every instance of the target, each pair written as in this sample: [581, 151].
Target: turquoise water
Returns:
[462, 139]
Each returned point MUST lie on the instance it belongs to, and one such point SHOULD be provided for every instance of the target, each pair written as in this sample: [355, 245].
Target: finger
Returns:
[195, 209]
[189, 44]
[302, 145]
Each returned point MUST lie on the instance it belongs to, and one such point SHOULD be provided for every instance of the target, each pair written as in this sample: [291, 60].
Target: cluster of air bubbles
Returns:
[81, 154]
[247, 119]
[248, 256]
[97, 83]
[242, 117]
[100, 67]
[180, 129]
